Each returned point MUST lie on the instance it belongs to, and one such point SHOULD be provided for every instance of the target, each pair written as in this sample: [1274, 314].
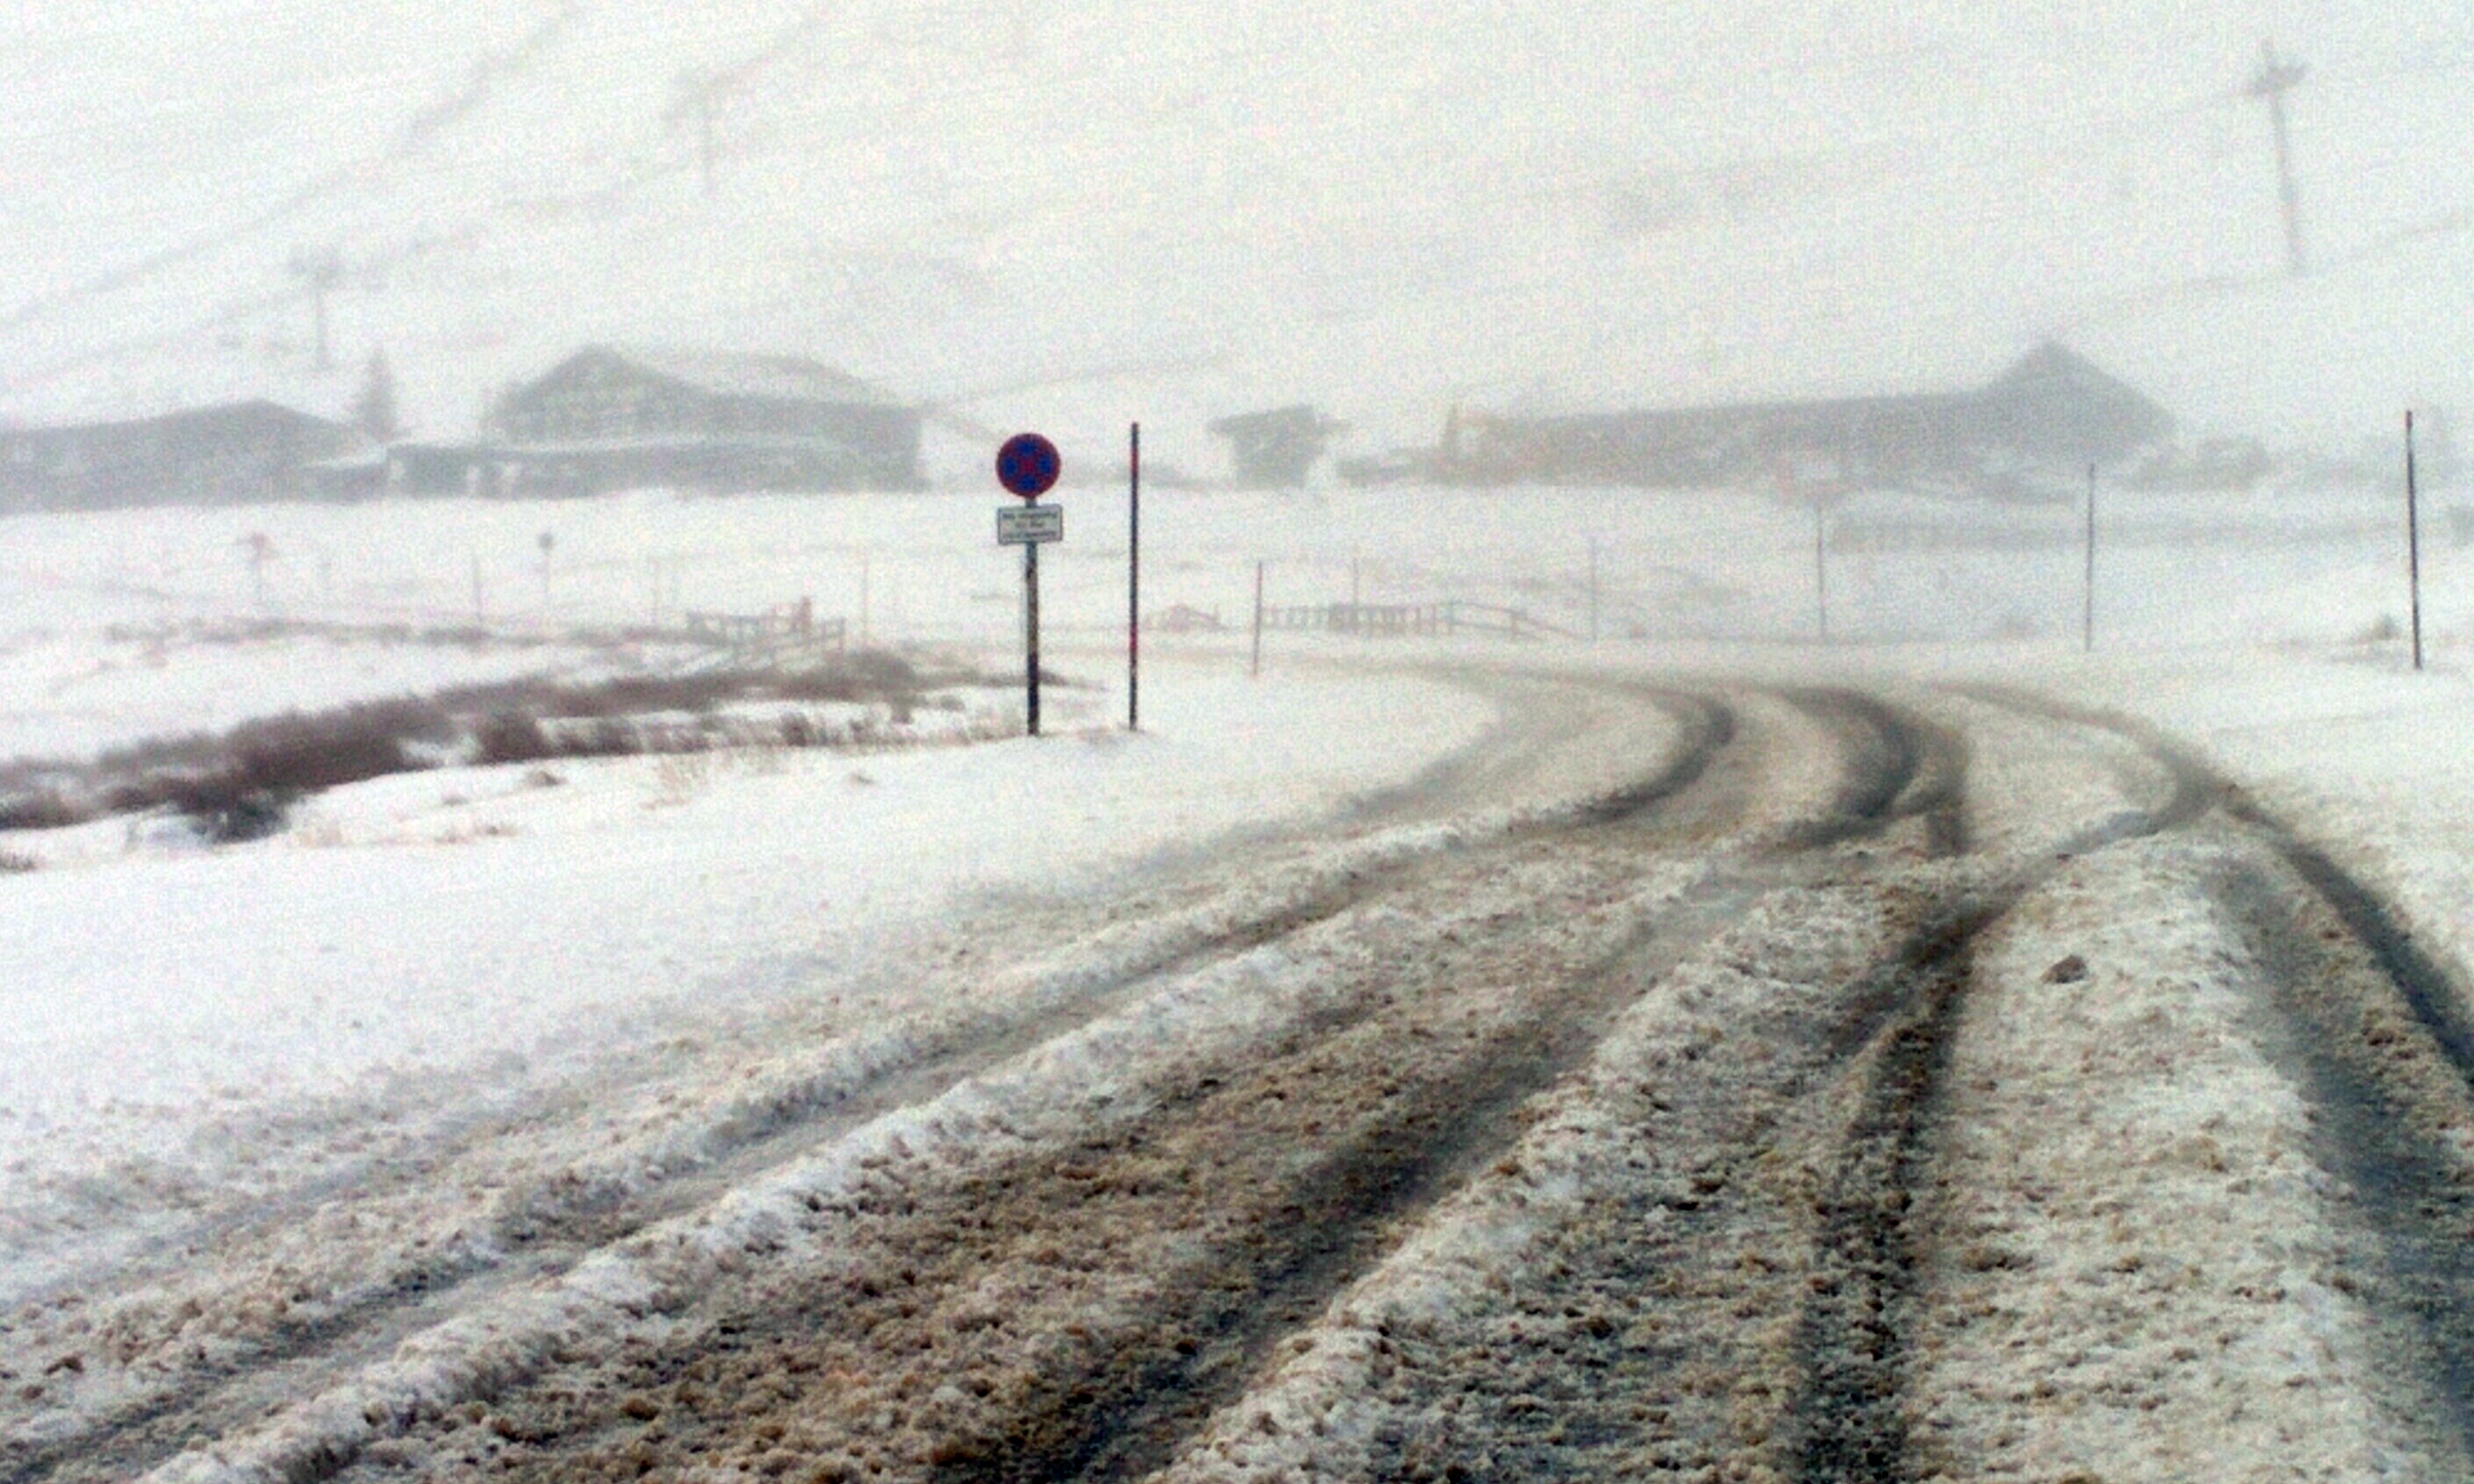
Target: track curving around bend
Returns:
[1651, 1129]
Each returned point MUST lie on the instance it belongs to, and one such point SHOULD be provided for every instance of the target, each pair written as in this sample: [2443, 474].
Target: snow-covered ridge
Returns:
[1101, 206]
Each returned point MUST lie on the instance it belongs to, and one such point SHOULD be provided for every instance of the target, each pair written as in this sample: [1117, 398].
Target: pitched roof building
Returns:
[2052, 408]
[1274, 449]
[226, 454]
[611, 416]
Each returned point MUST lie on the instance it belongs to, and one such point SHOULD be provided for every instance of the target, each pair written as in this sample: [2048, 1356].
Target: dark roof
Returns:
[2052, 363]
[2050, 405]
[1276, 421]
[254, 411]
[2034, 378]
[642, 443]
[741, 373]
[2053, 398]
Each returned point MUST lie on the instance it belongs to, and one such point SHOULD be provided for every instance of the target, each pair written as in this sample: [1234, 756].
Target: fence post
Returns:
[1255, 665]
[2087, 610]
[1821, 568]
[1594, 590]
[2412, 542]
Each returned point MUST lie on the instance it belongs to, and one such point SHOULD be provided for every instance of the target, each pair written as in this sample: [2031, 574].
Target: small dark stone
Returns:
[2069, 971]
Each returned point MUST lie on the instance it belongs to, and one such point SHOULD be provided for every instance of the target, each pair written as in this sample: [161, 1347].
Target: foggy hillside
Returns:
[1164, 212]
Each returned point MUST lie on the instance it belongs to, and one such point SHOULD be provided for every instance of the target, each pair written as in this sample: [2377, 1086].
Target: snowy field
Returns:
[413, 924]
[1415, 1057]
[185, 1027]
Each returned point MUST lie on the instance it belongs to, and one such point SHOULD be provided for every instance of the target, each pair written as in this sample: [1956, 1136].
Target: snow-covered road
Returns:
[1691, 1077]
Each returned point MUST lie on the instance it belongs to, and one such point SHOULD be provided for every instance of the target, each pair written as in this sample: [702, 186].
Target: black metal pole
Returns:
[2087, 608]
[1133, 577]
[2412, 542]
[1031, 629]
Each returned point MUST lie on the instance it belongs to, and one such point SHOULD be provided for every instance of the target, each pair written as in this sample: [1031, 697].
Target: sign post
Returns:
[1027, 466]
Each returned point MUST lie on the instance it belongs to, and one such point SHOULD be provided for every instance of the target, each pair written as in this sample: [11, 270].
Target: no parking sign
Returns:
[1027, 466]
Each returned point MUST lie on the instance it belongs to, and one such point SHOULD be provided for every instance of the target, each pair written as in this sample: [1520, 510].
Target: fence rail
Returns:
[778, 636]
[1385, 621]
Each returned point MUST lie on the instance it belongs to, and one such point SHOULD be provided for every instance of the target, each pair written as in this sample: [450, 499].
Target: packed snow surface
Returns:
[187, 1028]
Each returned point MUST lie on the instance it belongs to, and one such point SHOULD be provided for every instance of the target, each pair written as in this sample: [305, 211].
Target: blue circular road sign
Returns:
[1028, 464]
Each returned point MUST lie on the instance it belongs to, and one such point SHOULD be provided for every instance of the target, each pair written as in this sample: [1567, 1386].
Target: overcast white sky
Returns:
[1379, 208]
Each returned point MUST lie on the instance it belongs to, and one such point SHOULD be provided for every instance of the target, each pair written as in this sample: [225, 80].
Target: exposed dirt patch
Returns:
[238, 784]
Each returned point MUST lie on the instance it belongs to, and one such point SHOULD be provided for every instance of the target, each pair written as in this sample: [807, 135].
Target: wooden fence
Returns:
[779, 637]
[1385, 620]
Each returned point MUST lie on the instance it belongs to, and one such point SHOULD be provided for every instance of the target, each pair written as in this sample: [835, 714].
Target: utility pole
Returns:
[693, 92]
[322, 269]
[2276, 76]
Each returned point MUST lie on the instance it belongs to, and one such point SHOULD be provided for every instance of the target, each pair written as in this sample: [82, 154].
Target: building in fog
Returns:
[2051, 411]
[226, 454]
[1274, 449]
[609, 418]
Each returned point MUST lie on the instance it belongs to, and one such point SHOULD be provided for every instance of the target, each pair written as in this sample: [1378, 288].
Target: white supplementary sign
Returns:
[1029, 526]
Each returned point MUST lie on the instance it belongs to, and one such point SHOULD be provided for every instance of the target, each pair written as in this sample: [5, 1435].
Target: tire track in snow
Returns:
[1570, 1384]
[1888, 752]
[1132, 1442]
[1847, 1421]
[1381, 1175]
[1630, 1313]
[545, 1231]
[1885, 755]
[2193, 786]
[1077, 1311]
[1601, 1301]
[327, 1450]
[1124, 1415]
[2376, 1035]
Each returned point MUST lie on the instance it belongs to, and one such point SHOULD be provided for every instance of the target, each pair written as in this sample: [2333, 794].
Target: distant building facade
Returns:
[228, 455]
[2052, 409]
[1274, 449]
[609, 418]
